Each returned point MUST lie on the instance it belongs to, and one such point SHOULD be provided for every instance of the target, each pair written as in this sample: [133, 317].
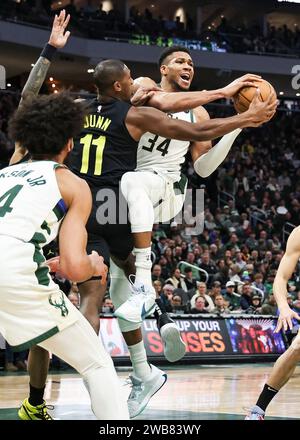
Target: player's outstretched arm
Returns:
[180, 101]
[74, 261]
[58, 39]
[142, 119]
[284, 273]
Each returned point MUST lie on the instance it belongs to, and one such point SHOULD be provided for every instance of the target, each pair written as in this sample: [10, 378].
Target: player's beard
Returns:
[177, 87]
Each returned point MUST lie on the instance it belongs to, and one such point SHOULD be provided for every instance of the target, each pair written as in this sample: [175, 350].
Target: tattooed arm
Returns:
[57, 40]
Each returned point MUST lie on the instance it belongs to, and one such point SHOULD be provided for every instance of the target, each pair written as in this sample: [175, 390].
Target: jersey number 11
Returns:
[99, 142]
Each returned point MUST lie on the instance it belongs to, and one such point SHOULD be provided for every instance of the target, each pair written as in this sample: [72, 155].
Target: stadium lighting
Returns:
[289, 1]
[297, 94]
[8, 85]
[53, 86]
[51, 78]
[90, 71]
[280, 93]
[32, 65]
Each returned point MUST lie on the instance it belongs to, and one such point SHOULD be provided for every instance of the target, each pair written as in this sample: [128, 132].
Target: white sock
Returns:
[141, 368]
[143, 265]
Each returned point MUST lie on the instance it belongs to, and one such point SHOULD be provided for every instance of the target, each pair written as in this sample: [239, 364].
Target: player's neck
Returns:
[167, 86]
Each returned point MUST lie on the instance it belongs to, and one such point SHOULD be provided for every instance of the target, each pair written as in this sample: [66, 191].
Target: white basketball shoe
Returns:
[142, 392]
[140, 304]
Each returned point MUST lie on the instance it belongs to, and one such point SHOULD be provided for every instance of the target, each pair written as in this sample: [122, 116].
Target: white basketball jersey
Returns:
[31, 206]
[161, 154]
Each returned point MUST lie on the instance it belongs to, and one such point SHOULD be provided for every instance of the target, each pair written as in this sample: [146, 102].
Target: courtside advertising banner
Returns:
[203, 336]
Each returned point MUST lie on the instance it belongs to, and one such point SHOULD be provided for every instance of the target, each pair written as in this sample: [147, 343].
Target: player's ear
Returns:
[70, 145]
[163, 69]
[117, 86]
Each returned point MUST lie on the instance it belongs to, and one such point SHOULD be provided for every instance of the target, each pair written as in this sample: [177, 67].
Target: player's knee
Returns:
[126, 326]
[128, 182]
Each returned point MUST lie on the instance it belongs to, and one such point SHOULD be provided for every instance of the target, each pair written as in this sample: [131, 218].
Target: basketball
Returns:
[243, 98]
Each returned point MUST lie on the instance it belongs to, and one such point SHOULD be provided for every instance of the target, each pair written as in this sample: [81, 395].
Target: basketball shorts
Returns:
[32, 308]
[109, 231]
[167, 195]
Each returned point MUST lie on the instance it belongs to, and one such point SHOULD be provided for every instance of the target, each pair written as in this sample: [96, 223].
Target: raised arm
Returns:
[58, 39]
[284, 273]
[142, 119]
[74, 261]
[180, 101]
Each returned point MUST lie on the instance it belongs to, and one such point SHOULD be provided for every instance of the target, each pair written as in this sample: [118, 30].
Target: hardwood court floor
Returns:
[191, 393]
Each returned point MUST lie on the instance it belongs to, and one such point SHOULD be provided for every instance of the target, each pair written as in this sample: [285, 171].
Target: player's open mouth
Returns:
[185, 78]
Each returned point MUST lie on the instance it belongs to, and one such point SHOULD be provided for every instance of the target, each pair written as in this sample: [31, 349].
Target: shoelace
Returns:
[136, 389]
[135, 291]
[45, 413]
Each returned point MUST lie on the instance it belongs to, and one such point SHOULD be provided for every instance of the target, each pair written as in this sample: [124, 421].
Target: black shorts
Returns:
[109, 230]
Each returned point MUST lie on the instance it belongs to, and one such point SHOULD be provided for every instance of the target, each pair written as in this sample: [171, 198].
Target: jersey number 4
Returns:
[99, 143]
[9, 197]
[163, 147]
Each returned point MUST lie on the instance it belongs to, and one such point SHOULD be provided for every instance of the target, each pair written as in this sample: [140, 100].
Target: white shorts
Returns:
[32, 308]
[168, 196]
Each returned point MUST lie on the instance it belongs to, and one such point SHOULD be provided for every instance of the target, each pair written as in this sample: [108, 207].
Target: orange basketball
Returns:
[243, 98]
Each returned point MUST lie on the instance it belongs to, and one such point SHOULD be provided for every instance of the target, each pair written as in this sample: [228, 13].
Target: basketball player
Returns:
[38, 199]
[285, 365]
[157, 191]
[104, 169]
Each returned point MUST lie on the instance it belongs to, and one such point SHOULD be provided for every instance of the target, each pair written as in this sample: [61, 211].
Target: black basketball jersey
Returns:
[104, 151]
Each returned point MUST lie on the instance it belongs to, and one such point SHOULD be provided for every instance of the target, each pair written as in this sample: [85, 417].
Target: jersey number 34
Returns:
[163, 147]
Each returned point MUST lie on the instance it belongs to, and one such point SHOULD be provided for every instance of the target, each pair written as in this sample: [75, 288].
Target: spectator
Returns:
[166, 296]
[189, 280]
[107, 306]
[246, 296]
[202, 291]
[255, 307]
[157, 287]
[207, 264]
[199, 306]
[231, 298]
[220, 306]
[156, 273]
[258, 282]
[270, 306]
[175, 279]
[177, 305]
[215, 289]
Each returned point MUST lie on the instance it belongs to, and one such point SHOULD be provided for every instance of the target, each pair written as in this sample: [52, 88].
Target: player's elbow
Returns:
[202, 172]
[201, 167]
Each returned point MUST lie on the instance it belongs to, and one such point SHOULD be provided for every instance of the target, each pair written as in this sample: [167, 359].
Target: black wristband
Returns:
[48, 52]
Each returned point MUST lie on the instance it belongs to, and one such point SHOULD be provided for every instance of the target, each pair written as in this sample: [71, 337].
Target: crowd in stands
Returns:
[90, 20]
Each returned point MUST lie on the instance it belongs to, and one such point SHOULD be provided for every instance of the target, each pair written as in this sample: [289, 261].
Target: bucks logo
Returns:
[57, 300]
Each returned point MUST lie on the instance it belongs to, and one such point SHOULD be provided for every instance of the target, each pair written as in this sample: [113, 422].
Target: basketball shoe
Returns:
[30, 412]
[255, 413]
[142, 392]
[174, 347]
[140, 304]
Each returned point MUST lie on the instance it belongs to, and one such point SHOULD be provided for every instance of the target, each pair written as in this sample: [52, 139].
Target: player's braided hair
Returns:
[44, 124]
